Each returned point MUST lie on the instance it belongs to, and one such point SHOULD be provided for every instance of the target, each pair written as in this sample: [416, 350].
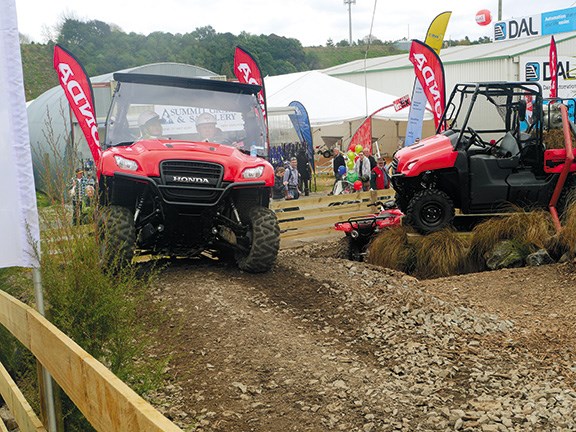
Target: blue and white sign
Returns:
[559, 21]
[547, 23]
[537, 69]
[518, 28]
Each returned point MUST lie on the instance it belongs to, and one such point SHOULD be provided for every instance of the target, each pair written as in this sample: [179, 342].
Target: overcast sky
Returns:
[312, 22]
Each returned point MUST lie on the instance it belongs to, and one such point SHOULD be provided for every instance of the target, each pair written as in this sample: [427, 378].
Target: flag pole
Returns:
[48, 388]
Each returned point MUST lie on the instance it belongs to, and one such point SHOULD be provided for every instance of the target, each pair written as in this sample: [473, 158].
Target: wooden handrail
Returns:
[106, 402]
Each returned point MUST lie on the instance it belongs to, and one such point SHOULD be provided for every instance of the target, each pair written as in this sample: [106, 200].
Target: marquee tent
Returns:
[337, 108]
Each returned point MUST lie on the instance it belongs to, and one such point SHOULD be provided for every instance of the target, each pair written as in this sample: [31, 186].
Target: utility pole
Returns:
[499, 10]
[350, 3]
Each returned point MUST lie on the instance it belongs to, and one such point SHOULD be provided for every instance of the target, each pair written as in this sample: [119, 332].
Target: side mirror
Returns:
[522, 110]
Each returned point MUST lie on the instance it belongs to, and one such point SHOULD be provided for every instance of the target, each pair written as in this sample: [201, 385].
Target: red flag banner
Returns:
[78, 91]
[553, 69]
[430, 73]
[363, 136]
[247, 71]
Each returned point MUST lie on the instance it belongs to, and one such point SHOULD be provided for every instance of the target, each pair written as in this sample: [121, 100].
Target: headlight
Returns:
[251, 173]
[126, 163]
[411, 164]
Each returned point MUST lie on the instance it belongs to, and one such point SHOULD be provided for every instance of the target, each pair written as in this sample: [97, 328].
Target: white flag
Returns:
[19, 232]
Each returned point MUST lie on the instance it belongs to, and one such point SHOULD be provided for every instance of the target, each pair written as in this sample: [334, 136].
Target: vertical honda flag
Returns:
[434, 39]
[430, 73]
[247, 71]
[553, 69]
[19, 232]
[78, 90]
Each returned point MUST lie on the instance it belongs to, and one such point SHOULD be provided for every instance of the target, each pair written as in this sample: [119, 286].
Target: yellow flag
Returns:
[436, 31]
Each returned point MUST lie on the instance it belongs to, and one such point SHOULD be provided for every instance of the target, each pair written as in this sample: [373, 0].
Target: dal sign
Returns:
[518, 28]
[537, 69]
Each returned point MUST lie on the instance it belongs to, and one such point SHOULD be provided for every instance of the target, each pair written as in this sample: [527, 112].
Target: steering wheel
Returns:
[476, 139]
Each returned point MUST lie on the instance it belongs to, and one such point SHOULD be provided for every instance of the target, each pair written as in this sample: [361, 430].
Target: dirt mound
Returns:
[321, 343]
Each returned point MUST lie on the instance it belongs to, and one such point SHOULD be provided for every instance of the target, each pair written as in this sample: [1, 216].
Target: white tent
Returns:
[337, 108]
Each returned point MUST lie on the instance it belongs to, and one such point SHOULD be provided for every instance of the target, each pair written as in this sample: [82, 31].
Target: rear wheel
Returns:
[117, 237]
[263, 241]
[348, 248]
[430, 210]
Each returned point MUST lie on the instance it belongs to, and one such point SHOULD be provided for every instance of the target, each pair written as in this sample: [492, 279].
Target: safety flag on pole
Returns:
[434, 39]
[20, 234]
[78, 90]
[430, 73]
[363, 137]
[247, 71]
[553, 69]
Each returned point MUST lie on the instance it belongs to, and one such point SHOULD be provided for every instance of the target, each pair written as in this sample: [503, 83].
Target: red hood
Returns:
[149, 153]
[431, 153]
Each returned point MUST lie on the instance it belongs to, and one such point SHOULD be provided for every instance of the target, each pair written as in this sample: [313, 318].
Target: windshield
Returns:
[493, 109]
[183, 114]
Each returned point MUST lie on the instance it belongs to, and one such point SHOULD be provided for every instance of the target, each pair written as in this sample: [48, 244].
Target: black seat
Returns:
[508, 147]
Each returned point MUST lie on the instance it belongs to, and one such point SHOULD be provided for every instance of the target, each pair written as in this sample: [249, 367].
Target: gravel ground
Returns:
[323, 344]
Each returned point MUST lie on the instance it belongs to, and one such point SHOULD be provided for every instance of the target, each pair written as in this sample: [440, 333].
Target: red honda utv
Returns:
[491, 158]
[165, 188]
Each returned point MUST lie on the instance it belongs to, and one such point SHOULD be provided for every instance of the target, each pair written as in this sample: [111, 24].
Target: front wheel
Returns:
[262, 240]
[430, 210]
[117, 237]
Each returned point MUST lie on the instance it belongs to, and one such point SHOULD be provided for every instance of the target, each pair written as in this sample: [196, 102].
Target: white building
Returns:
[515, 60]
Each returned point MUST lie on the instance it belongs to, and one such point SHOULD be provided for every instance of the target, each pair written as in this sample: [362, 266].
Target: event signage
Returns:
[78, 90]
[434, 39]
[548, 23]
[430, 73]
[537, 69]
[401, 103]
[20, 234]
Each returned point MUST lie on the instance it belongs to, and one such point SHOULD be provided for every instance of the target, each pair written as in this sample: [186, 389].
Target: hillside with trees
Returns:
[104, 48]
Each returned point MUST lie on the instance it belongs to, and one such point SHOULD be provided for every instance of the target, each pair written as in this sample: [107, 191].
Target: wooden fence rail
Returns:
[314, 216]
[106, 402]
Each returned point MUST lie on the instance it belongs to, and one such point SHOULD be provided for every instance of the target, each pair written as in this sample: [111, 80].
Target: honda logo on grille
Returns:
[187, 179]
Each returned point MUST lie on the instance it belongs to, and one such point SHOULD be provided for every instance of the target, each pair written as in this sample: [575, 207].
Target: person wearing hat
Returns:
[78, 192]
[207, 130]
[150, 125]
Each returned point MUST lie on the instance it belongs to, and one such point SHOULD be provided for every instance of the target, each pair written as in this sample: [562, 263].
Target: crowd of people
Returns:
[371, 172]
[292, 179]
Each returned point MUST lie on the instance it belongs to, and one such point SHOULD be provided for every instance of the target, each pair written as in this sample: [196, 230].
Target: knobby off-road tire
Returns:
[401, 202]
[347, 248]
[430, 210]
[117, 237]
[264, 234]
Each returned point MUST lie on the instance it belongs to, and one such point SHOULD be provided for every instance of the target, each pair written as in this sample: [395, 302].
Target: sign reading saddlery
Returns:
[547, 23]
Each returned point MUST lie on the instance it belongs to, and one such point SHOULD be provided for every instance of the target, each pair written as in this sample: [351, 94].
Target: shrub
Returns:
[391, 249]
[531, 230]
[442, 253]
